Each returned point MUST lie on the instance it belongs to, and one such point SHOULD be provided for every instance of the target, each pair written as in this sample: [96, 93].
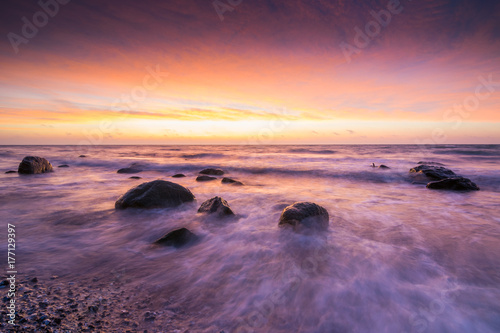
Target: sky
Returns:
[249, 72]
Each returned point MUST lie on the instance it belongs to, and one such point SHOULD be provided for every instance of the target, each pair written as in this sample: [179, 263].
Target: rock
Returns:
[155, 194]
[204, 178]
[129, 170]
[430, 163]
[216, 205]
[454, 184]
[305, 214]
[177, 238]
[226, 180]
[63, 166]
[134, 177]
[212, 172]
[433, 172]
[10, 171]
[34, 164]
[381, 166]
[179, 175]
[82, 156]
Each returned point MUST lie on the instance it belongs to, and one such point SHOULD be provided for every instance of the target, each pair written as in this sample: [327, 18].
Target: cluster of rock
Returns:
[162, 194]
[442, 178]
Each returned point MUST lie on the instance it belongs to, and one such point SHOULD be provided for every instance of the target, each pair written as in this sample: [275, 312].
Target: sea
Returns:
[397, 257]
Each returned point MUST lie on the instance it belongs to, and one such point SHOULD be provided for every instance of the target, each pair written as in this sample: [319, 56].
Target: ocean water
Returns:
[397, 257]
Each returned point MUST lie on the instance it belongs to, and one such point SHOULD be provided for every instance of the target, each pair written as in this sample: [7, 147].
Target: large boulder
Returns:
[433, 172]
[216, 205]
[177, 238]
[34, 164]
[454, 184]
[212, 172]
[155, 194]
[305, 215]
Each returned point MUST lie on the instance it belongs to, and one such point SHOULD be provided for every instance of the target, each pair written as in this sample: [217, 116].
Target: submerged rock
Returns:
[430, 163]
[10, 171]
[82, 156]
[305, 214]
[216, 205]
[179, 175]
[381, 166]
[129, 170]
[63, 166]
[226, 180]
[433, 172]
[134, 177]
[34, 164]
[177, 238]
[204, 178]
[212, 172]
[454, 184]
[155, 194]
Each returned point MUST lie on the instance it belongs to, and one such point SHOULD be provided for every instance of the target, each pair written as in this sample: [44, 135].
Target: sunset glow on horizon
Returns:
[273, 72]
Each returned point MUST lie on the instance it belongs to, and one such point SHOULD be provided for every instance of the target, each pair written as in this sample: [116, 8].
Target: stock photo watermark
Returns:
[460, 111]
[126, 103]
[11, 273]
[31, 27]
[372, 29]
[222, 6]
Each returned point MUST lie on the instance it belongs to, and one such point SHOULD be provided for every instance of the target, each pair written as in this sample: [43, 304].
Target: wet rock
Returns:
[134, 177]
[305, 215]
[216, 205]
[381, 166]
[34, 164]
[212, 172]
[155, 194]
[204, 178]
[82, 156]
[63, 166]
[430, 163]
[177, 238]
[129, 170]
[226, 180]
[179, 175]
[10, 171]
[454, 184]
[433, 172]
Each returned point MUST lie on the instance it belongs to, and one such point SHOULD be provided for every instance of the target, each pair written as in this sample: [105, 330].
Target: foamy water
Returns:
[397, 257]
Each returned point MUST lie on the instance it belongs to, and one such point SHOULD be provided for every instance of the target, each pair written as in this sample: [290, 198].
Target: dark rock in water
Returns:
[82, 156]
[155, 194]
[216, 205]
[381, 166]
[179, 175]
[129, 170]
[454, 184]
[226, 180]
[177, 238]
[212, 172]
[433, 172]
[430, 163]
[63, 166]
[305, 214]
[134, 177]
[34, 164]
[10, 171]
[204, 178]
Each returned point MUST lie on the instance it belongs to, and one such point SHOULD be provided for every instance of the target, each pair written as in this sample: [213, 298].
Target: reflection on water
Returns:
[396, 258]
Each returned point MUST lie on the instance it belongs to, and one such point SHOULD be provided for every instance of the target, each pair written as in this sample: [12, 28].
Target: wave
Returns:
[468, 152]
[202, 155]
[312, 151]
